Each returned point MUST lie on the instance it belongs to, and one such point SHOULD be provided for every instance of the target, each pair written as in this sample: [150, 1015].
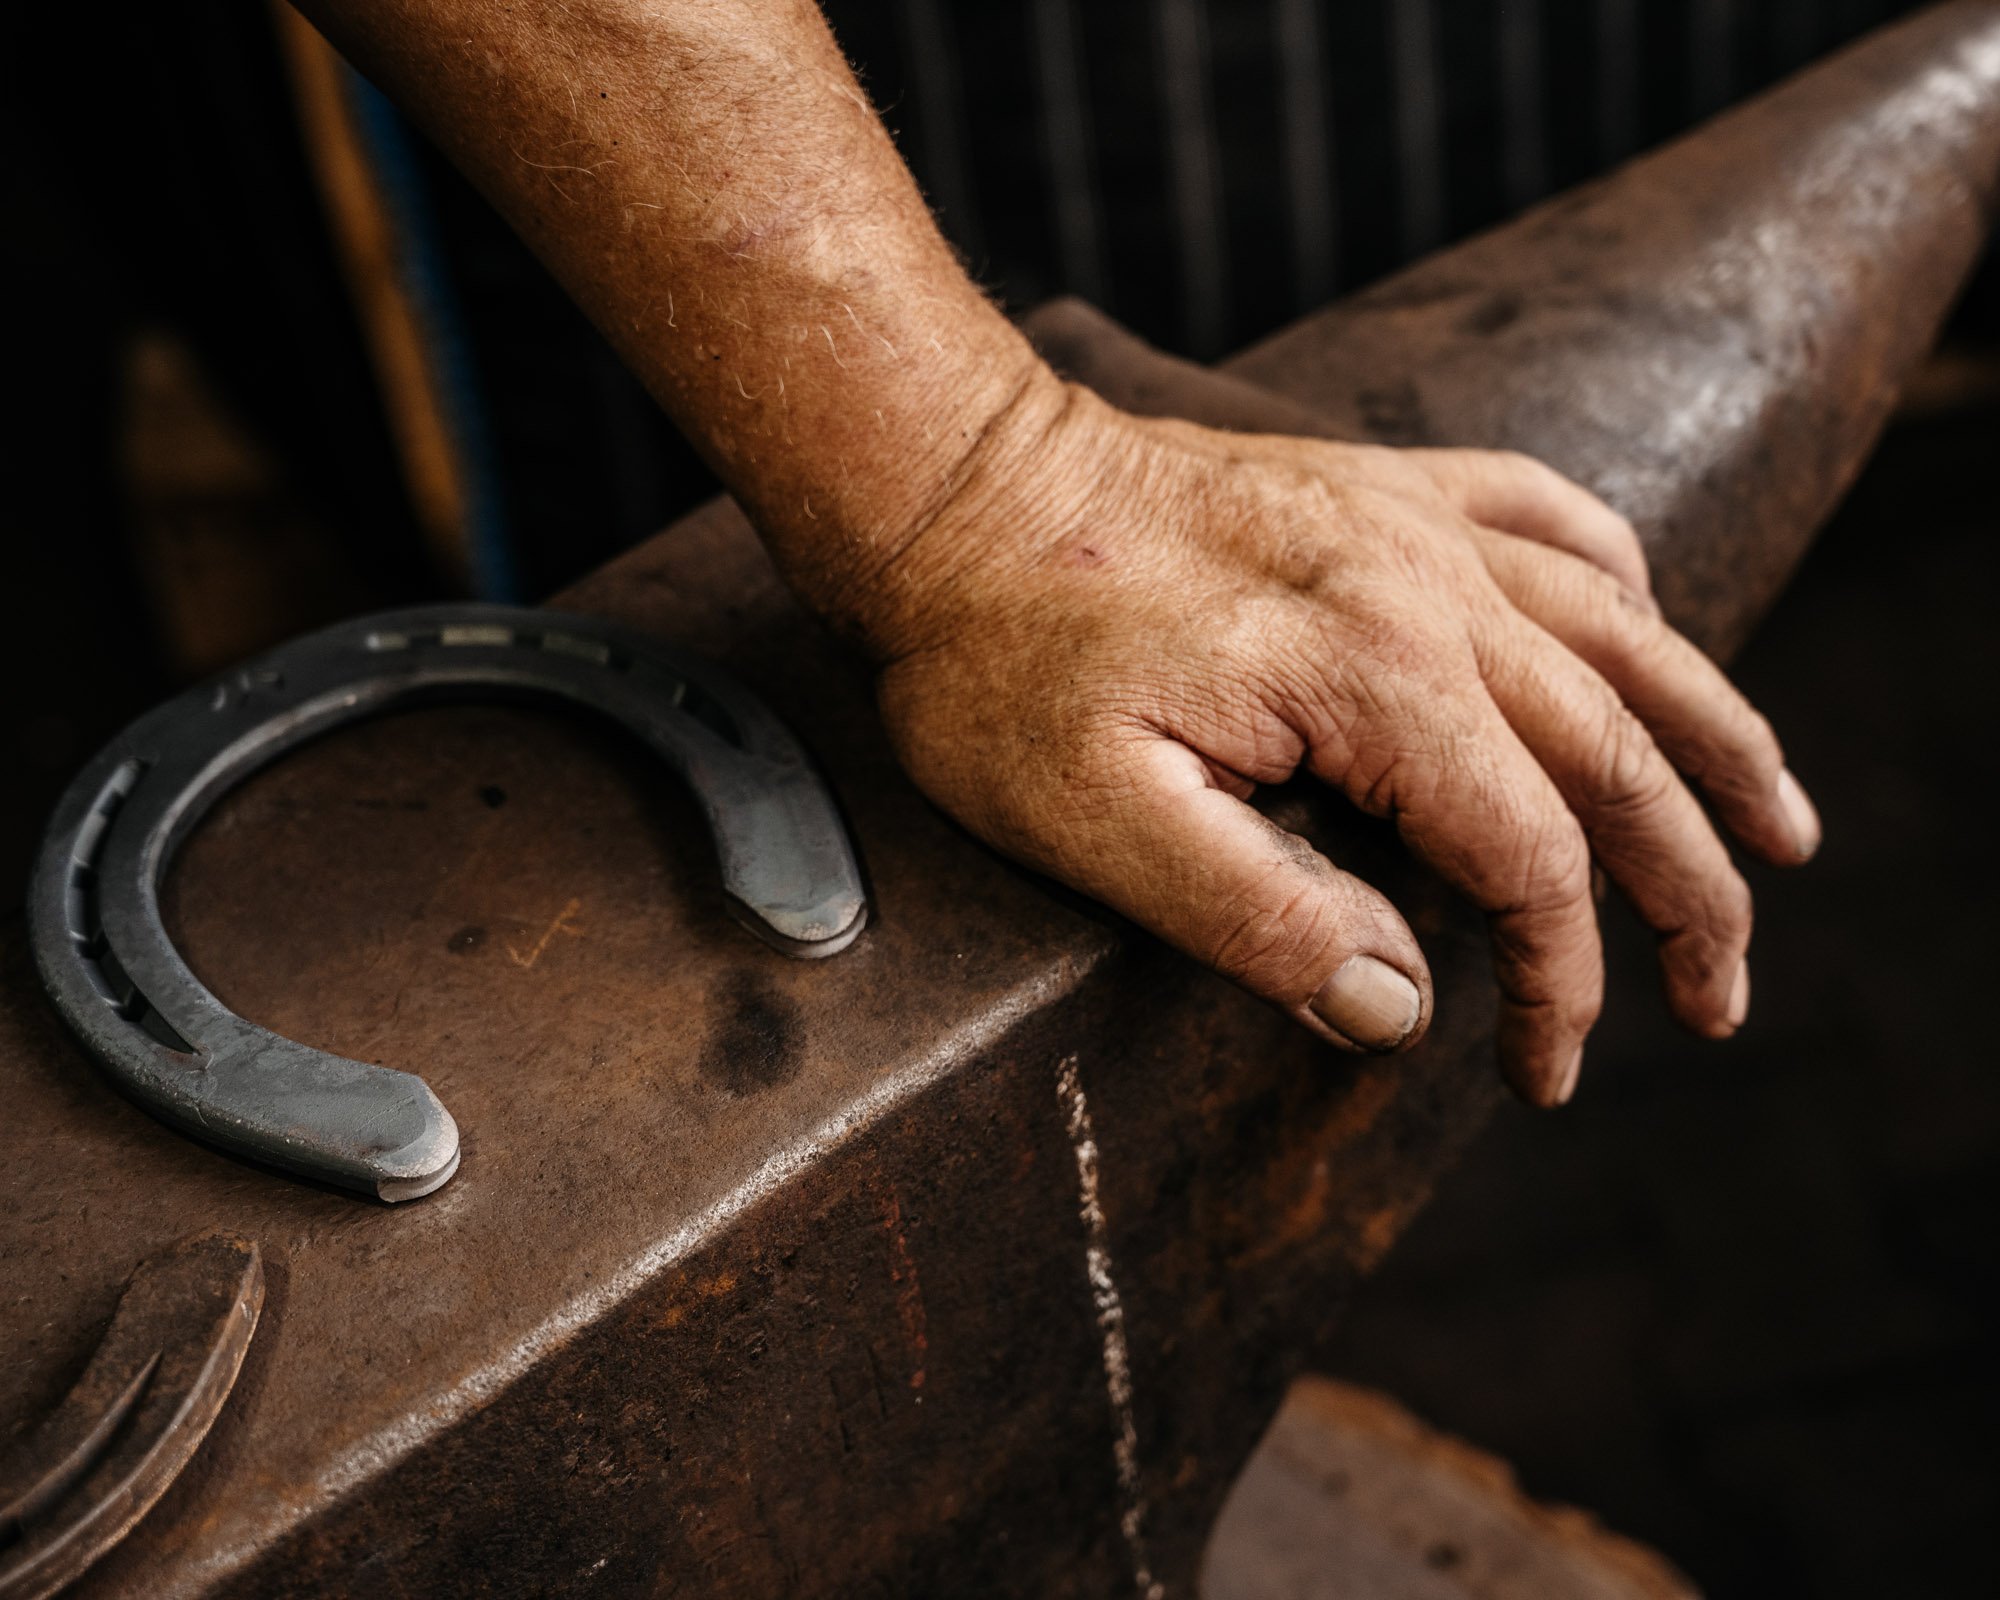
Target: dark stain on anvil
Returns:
[1493, 313]
[1395, 414]
[754, 1043]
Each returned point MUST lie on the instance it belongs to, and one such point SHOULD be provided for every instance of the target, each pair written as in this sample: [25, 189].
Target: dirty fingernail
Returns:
[1369, 1001]
[1739, 995]
[1570, 1073]
[1800, 814]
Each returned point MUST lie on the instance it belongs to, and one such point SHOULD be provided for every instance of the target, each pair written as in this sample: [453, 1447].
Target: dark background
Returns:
[1737, 1301]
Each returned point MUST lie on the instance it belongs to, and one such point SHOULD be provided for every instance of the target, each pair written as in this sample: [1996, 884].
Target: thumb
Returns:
[1218, 880]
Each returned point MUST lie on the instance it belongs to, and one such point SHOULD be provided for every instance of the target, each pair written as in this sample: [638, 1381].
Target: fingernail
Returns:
[1800, 815]
[1369, 1001]
[1739, 995]
[1568, 1085]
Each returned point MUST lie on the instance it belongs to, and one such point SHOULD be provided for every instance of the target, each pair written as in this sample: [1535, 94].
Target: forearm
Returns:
[709, 182]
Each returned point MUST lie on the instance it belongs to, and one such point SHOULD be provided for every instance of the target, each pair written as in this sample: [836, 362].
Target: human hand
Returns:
[1099, 633]
[1117, 628]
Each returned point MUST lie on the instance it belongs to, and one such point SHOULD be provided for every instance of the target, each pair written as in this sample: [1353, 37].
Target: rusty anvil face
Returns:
[970, 1262]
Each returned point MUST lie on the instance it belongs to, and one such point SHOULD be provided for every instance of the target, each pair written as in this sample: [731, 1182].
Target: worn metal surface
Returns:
[113, 972]
[972, 1262]
[73, 1485]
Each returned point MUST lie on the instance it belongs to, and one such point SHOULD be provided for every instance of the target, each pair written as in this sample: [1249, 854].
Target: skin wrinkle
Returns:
[1261, 931]
[1096, 630]
[893, 561]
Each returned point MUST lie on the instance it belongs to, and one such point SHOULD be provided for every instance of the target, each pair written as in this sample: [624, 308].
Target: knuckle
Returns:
[1534, 476]
[1557, 871]
[1633, 634]
[1566, 985]
[1732, 909]
[1743, 757]
[1610, 600]
[1757, 741]
[1255, 940]
[1580, 1011]
[1368, 460]
[1714, 940]
[1630, 774]
[1414, 654]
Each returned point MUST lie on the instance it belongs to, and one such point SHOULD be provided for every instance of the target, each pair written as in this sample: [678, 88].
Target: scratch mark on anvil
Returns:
[909, 1290]
[562, 924]
[1111, 1327]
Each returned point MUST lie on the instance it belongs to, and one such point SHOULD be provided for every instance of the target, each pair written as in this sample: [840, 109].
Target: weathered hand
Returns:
[1099, 633]
[1118, 627]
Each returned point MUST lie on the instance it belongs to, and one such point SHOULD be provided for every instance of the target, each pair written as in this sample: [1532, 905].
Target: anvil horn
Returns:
[1711, 337]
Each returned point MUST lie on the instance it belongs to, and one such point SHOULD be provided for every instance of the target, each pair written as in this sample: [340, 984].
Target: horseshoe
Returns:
[114, 974]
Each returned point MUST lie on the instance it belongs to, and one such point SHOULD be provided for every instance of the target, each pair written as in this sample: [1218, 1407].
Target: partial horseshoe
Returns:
[74, 1485]
[111, 969]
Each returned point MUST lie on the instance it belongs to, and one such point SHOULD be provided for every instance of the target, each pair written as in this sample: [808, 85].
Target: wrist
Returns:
[885, 521]
[1019, 481]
